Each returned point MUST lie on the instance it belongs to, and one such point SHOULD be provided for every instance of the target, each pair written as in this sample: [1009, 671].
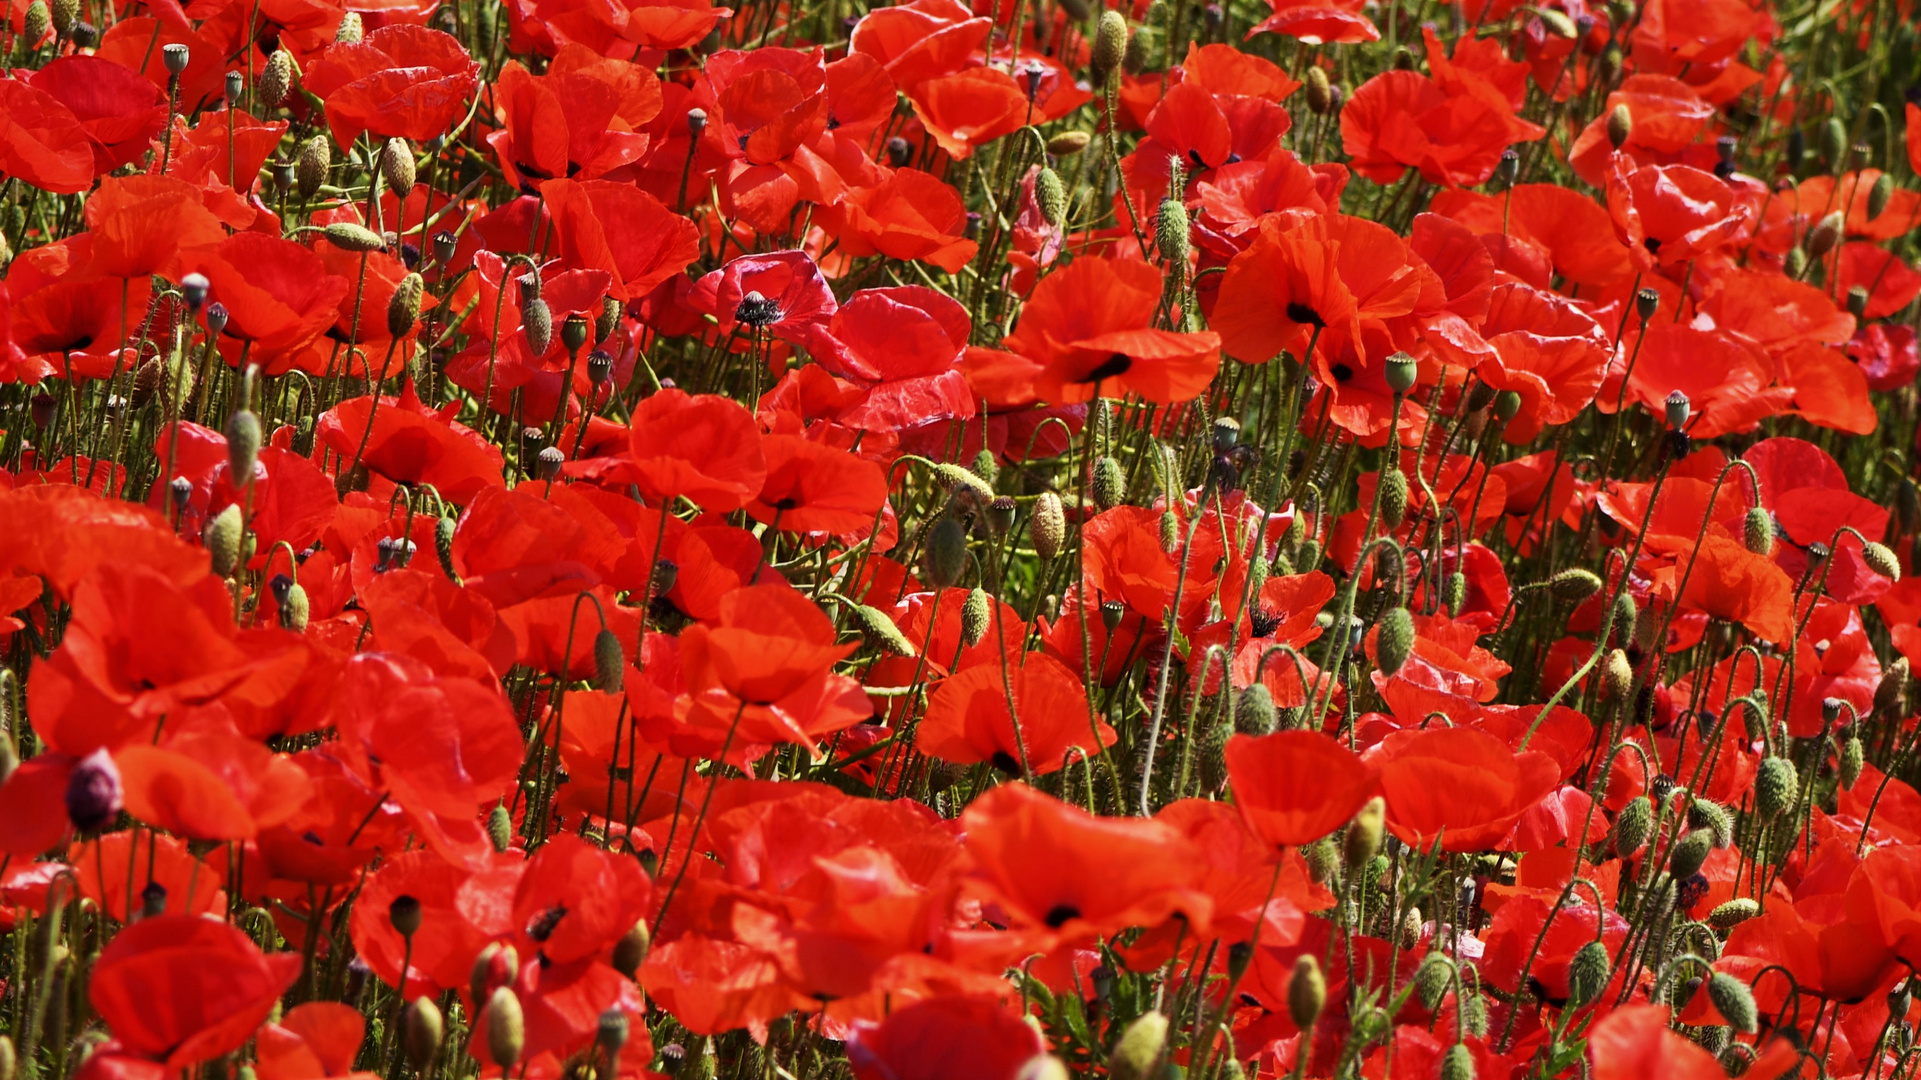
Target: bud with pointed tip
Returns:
[276, 79]
[310, 168]
[1047, 526]
[1574, 585]
[422, 1033]
[1171, 230]
[1620, 126]
[1777, 786]
[506, 1028]
[1110, 43]
[397, 166]
[221, 536]
[1306, 992]
[1734, 1001]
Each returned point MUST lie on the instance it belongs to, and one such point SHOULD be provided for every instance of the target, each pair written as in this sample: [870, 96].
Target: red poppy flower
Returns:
[314, 1041]
[211, 787]
[564, 124]
[399, 81]
[1454, 135]
[969, 109]
[41, 141]
[1090, 328]
[1294, 787]
[1039, 716]
[119, 111]
[703, 447]
[1635, 1043]
[1727, 581]
[1326, 279]
[602, 225]
[945, 1038]
[782, 293]
[114, 869]
[903, 345]
[1669, 214]
[812, 487]
[1459, 786]
[653, 24]
[278, 297]
[1319, 22]
[182, 990]
[140, 224]
[910, 215]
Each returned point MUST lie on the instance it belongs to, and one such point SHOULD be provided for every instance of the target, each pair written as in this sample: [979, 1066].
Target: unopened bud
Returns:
[1880, 194]
[1110, 483]
[403, 310]
[1881, 560]
[1757, 532]
[1574, 585]
[1051, 195]
[500, 828]
[1110, 43]
[976, 613]
[350, 236]
[537, 322]
[1067, 144]
[1690, 854]
[422, 1034]
[1733, 913]
[1776, 787]
[1363, 838]
[397, 166]
[310, 169]
[1171, 229]
[1047, 526]
[1620, 126]
[1320, 96]
[1734, 1001]
[1633, 826]
[1306, 992]
[1140, 1048]
[1395, 641]
[1854, 756]
[221, 537]
[276, 80]
[946, 558]
[506, 1028]
[1587, 974]
[1458, 1062]
[631, 950]
[610, 662]
[1825, 235]
[243, 446]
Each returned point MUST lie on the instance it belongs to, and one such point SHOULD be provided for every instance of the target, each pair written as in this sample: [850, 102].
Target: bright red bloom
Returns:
[1037, 718]
[1458, 786]
[945, 1039]
[41, 141]
[1294, 787]
[181, 989]
[1453, 134]
[1090, 328]
[399, 81]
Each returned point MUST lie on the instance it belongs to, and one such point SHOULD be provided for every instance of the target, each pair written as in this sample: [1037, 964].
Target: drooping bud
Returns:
[1574, 585]
[1734, 1001]
[1140, 1048]
[221, 537]
[1458, 1062]
[422, 1033]
[1051, 194]
[1306, 992]
[403, 310]
[1620, 126]
[1825, 235]
[1587, 974]
[1880, 194]
[1067, 144]
[1853, 757]
[1633, 825]
[506, 1028]
[1395, 642]
[1881, 560]
[946, 558]
[94, 795]
[1110, 43]
[397, 166]
[1048, 526]
[351, 236]
[500, 828]
[1834, 143]
[295, 609]
[1363, 838]
[610, 662]
[1757, 531]
[1254, 713]
[631, 950]
[63, 15]
[976, 613]
[1776, 787]
[881, 631]
[1690, 854]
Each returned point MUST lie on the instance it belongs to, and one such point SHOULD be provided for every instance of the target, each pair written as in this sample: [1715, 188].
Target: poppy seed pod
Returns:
[1506, 404]
[1110, 483]
[1857, 300]
[1757, 531]
[1825, 235]
[1048, 526]
[94, 795]
[221, 537]
[976, 613]
[1620, 126]
[174, 57]
[1458, 1062]
[397, 166]
[1879, 195]
[236, 85]
[349, 236]
[1170, 230]
[1734, 1001]
[1319, 93]
[1733, 913]
[506, 1028]
[1140, 1048]
[881, 632]
[1001, 513]
[404, 914]
[1632, 826]
[946, 558]
[243, 446]
[1881, 559]
[547, 463]
[1587, 974]
[1401, 372]
[537, 322]
[1363, 838]
[1690, 854]
[1306, 992]
[1067, 144]
[610, 662]
[600, 367]
[1853, 757]
[1646, 303]
[351, 29]
[610, 1031]
[1110, 43]
[422, 1032]
[1574, 585]
[275, 81]
[403, 310]
[1051, 196]
[1395, 642]
[573, 332]
[1678, 410]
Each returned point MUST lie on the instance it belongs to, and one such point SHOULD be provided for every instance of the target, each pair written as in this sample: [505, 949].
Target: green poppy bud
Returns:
[276, 80]
[221, 537]
[243, 446]
[1715, 818]
[1254, 713]
[444, 546]
[1320, 95]
[1067, 144]
[946, 557]
[1796, 263]
[537, 322]
[421, 1033]
[1170, 532]
[63, 15]
[1880, 194]
[1625, 616]
[1734, 1001]
[1727, 916]
[351, 29]
[1758, 532]
[500, 828]
[1110, 483]
[1574, 585]
[1043, 1067]
[1456, 593]
[1458, 1062]
[1853, 757]
[295, 609]
[397, 166]
[976, 615]
[1690, 854]
[1620, 126]
[1363, 838]
[1393, 498]
[310, 168]
[610, 662]
[1432, 980]
[1395, 642]
[1047, 526]
[631, 950]
[506, 1028]
[1140, 1048]
[1834, 143]
[881, 631]
[1892, 687]
[403, 310]
[1051, 195]
[1587, 974]
[1633, 825]
[1323, 859]
[1825, 235]
[1171, 229]
[1881, 560]
[1110, 43]
[1308, 558]
[1776, 787]
[348, 236]
[1306, 992]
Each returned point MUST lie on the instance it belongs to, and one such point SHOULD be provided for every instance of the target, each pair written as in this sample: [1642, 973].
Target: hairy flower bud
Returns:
[351, 29]
[1757, 531]
[349, 236]
[1140, 1048]
[1854, 756]
[1633, 825]
[1110, 483]
[1067, 144]
[1048, 526]
[1734, 1001]
[610, 662]
[243, 446]
[397, 166]
[1320, 96]
[1880, 194]
[537, 322]
[500, 828]
[275, 81]
[1881, 560]
[1733, 913]
[422, 1032]
[506, 1028]
[1306, 992]
[403, 310]
[1458, 1062]
[1620, 126]
[1171, 230]
[1587, 974]
[1393, 498]
[976, 614]
[631, 950]
[310, 168]
[1777, 786]
[1395, 641]
[1363, 838]
[1254, 712]
[1690, 854]
[221, 537]
[1110, 43]
[1574, 585]
[946, 557]
[1825, 235]
[1051, 195]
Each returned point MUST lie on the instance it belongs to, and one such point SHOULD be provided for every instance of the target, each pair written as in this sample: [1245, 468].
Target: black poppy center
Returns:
[1060, 914]
[1341, 372]
[1302, 313]
[1114, 365]
[757, 311]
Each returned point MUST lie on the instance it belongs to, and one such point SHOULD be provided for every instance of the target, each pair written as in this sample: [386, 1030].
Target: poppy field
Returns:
[959, 540]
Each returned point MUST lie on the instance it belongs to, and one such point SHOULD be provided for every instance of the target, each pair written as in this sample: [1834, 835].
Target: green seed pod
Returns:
[37, 24]
[1574, 585]
[573, 333]
[1140, 1048]
[295, 610]
[1734, 1001]
[1853, 757]
[1881, 560]
[1254, 712]
[1110, 483]
[1776, 787]
[1458, 1063]
[631, 950]
[1048, 526]
[1393, 498]
[1733, 913]
[221, 537]
[275, 81]
[880, 631]
[1395, 642]
[610, 662]
[1587, 974]
[243, 446]
[1857, 300]
[976, 616]
[1880, 194]
[1363, 838]
[1110, 43]
[1306, 992]
[946, 556]
[1320, 93]
[1051, 195]
[348, 236]
[500, 828]
[1690, 854]
[1401, 372]
[1456, 593]
[310, 168]
[1632, 826]
[1171, 229]
[506, 1028]
[1620, 126]
[537, 322]
[421, 1033]
[1678, 409]
[403, 310]
[397, 166]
